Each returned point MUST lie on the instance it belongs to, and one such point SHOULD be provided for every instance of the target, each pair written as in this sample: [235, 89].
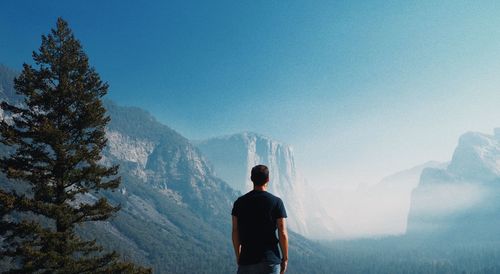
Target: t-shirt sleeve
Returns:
[235, 211]
[279, 210]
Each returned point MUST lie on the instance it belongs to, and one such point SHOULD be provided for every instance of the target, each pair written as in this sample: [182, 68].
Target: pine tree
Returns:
[57, 135]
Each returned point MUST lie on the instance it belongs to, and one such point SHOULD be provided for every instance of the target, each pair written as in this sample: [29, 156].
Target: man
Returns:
[256, 216]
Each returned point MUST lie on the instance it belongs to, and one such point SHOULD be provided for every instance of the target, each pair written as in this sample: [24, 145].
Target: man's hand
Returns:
[284, 264]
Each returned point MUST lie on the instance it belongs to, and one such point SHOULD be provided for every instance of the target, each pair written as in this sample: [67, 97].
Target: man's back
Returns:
[256, 216]
[257, 213]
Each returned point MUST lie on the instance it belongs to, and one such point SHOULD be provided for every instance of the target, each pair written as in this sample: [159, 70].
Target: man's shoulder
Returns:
[272, 196]
[244, 197]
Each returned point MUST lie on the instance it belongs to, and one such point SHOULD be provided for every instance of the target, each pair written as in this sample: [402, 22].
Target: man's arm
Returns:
[236, 239]
[283, 237]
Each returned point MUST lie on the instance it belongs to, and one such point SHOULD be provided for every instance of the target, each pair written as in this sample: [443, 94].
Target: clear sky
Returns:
[360, 89]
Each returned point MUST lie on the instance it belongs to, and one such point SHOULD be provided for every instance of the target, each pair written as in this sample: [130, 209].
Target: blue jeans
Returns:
[260, 268]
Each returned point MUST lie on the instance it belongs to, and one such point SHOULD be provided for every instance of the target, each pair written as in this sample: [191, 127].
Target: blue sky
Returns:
[360, 89]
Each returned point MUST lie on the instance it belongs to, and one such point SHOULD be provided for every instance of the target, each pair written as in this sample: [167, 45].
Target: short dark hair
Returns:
[260, 175]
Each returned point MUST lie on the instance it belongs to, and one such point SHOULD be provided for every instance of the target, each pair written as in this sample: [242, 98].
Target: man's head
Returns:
[260, 175]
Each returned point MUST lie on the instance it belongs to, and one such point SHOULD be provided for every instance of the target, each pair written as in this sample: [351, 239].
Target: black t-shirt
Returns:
[257, 213]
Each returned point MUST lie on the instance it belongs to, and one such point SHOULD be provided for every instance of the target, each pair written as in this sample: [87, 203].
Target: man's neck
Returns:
[260, 188]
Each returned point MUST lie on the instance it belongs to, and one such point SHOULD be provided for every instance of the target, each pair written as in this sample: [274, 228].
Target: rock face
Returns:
[163, 159]
[234, 156]
[462, 200]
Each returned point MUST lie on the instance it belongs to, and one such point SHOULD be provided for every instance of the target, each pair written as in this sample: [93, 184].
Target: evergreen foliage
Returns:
[57, 135]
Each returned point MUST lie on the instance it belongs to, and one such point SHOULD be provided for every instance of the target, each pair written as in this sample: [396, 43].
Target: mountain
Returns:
[463, 199]
[391, 197]
[175, 212]
[375, 210]
[233, 157]
[163, 159]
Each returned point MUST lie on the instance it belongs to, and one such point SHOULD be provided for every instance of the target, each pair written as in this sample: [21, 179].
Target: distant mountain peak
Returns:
[477, 157]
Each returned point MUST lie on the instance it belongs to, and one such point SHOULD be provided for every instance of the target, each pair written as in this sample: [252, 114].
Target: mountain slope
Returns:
[163, 159]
